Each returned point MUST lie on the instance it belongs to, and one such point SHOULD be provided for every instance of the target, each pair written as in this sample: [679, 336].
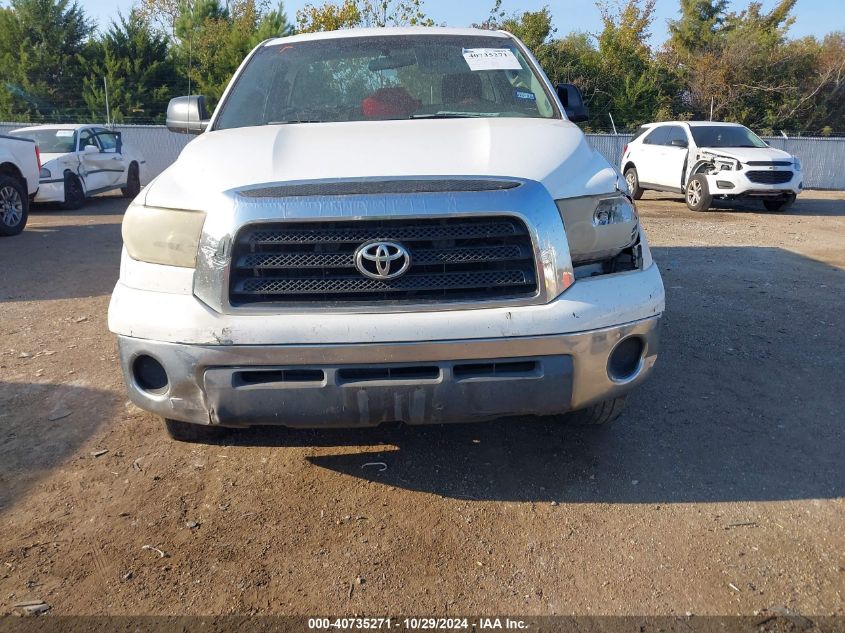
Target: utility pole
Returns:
[108, 112]
[711, 108]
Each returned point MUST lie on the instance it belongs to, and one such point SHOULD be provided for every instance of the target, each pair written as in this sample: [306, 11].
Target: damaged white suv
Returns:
[706, 160]
[384, 225]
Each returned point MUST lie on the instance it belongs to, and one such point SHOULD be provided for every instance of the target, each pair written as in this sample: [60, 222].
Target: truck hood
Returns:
[553, 152]
[745, 154]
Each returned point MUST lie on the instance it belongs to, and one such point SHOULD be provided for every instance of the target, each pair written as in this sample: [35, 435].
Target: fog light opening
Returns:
[149, 375]
[626, 359]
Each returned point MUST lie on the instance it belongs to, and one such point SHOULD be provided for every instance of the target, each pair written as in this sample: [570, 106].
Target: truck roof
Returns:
[386, 32]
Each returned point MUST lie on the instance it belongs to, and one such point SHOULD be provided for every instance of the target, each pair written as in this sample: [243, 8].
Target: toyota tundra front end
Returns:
[384, 225]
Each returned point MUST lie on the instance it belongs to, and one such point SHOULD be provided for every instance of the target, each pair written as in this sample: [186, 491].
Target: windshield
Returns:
[725, 136]
[385, 78]
[51, 141]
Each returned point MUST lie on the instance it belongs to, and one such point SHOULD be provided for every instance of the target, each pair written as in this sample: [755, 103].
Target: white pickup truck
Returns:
[384, 225]
[19, 168]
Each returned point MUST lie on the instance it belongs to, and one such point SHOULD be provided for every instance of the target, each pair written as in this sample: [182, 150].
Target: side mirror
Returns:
[118, 137]
[678, 142]
[573, 102]
[90, 149]
[187, 115]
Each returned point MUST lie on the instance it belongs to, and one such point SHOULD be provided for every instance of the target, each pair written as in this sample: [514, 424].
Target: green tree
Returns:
[41, 69]
[534, 28]
[699, 25]
[134, 60]
[346, 14]
[632, 87]
[329, 16]
[212, 40]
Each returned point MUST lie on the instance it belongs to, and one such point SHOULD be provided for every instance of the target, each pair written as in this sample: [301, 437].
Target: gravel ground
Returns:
[719, 492]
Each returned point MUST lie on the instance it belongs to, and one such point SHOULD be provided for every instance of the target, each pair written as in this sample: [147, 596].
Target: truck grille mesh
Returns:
[770, 177]
[452, 259]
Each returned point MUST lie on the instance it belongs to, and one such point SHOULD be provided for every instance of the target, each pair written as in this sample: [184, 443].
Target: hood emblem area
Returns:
[382, 260]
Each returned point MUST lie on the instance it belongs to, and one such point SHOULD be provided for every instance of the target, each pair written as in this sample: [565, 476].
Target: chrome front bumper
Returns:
[356, 385]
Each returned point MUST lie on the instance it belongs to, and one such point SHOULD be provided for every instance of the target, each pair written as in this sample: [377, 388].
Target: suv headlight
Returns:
[615, 210]
[727, 164]
[796, 163]
[162, 236]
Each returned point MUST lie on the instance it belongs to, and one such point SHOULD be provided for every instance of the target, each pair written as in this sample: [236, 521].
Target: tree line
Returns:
[735, 65]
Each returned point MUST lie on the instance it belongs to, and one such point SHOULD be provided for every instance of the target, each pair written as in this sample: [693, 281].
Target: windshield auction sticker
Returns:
[491, 59]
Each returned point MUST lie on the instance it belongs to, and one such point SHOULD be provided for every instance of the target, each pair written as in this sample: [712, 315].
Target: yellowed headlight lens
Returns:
[162, 236]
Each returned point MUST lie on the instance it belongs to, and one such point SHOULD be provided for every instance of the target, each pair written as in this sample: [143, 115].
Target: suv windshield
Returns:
[51, 141]
[725, 136]
[385, 78]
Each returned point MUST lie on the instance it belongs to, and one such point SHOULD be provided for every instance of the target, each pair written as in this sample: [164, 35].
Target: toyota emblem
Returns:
[382, 260]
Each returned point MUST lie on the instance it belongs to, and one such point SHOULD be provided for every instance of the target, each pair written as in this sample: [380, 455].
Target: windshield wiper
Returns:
[293, 121]
[451, 115]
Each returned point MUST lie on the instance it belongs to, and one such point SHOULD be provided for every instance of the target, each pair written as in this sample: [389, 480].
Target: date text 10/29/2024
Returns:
[416, 624]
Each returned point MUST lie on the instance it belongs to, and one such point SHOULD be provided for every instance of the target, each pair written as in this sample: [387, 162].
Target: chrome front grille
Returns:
[452, 259]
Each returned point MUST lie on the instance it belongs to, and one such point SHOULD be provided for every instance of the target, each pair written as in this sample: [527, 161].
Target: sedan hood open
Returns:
[553, 152]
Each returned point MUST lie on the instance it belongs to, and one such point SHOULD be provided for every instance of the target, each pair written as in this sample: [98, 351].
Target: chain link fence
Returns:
[823, 159]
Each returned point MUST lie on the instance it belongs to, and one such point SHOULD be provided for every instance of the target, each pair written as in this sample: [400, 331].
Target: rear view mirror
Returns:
[187, 115]
[90, 149]
[393, 61]
[573, 102]
[678, 142]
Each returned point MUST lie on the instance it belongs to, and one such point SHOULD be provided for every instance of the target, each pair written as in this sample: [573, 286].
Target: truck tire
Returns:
[74, 193]
[698, 194]
[633, 181]
[14, 205]
[779, 204]
[598, 414]
[133, 182]
[195, 433]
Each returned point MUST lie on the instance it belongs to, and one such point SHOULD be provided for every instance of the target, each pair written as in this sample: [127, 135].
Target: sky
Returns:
[813, 17]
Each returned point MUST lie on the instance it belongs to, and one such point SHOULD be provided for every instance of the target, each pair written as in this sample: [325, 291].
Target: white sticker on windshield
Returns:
[61, 133]
[491, 59]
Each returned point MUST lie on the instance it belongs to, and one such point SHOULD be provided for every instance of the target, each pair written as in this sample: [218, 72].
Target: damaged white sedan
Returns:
[78, 161]
[706, 161]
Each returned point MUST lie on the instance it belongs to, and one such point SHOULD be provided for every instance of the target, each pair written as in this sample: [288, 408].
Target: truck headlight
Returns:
[598, 227]
[45, 173]
[162, 236]
[796, 163]
[615, 210]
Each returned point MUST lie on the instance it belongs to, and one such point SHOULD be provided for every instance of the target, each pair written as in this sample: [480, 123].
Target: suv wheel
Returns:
[698, 194]
[74, 194]
[779, 204]
[14, 205]
[633, 182]
[600, 413]
[188, 432]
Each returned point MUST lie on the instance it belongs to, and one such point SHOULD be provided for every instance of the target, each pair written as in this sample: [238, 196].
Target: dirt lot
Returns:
[721, 491]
